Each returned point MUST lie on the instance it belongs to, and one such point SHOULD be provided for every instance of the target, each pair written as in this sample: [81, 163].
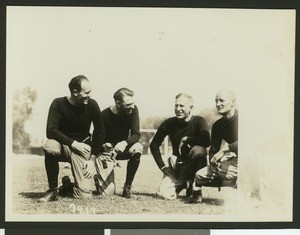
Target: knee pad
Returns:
[52, 147]
[136, 148]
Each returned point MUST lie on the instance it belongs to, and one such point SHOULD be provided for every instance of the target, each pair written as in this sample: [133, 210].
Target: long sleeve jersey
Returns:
[67, 123]
[195, 129]
[119, 127]
[227, 130]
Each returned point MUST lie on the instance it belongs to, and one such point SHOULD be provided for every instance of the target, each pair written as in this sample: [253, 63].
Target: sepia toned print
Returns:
[158, 53]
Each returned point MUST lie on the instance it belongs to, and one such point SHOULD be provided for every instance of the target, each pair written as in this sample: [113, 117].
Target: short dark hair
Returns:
[75, 83]
[119, 94]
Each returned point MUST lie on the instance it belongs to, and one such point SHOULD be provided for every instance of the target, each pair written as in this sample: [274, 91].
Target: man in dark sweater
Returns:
[68, 126]
[189, 137]
[223, 153]
[122, 128]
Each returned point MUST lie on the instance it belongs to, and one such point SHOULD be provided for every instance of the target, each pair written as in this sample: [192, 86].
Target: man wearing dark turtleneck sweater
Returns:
[122, 128]
[223, 152]
[189, 137]
[68, 126]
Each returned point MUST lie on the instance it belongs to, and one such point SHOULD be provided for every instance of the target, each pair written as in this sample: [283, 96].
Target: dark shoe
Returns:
[66, 190]
[50, 196]
[196, 197]
[127, 191]
[180, 188]
[189, 189]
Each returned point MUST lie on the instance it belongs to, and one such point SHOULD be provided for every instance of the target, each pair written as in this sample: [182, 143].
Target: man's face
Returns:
[224, 102]
[127, 105]
[83, 96]
[183, 107]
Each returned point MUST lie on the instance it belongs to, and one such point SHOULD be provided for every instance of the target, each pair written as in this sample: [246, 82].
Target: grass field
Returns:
[30, 183]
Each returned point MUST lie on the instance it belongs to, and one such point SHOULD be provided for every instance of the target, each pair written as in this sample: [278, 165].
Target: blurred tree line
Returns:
[23, 101]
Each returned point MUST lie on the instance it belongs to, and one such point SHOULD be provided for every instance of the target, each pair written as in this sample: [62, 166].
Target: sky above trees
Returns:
[158, 53]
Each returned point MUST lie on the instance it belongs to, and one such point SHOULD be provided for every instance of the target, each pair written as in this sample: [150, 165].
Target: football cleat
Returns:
[196, 197]
[127, 191]
[50, 196]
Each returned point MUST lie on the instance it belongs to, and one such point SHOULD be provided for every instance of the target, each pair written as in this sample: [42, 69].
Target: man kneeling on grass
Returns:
[189, 137]
[223, 153]
[68, 126]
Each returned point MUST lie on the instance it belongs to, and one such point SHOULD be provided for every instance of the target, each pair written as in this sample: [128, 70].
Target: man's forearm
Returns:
[157, 155]
[133, 138]
[59, 137]
[233, 147]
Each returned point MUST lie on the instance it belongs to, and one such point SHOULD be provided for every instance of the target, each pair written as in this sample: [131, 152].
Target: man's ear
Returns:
[233, 103]
[118, 103]
[192, 107]
[75, 92]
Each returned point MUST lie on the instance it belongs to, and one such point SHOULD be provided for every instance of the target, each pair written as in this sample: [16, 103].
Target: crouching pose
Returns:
[68, 125]
[222, 170]
[100, 176]
[189, 137]
[122, 128]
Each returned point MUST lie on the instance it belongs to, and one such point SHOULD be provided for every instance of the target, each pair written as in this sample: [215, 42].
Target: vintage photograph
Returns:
[149, 114]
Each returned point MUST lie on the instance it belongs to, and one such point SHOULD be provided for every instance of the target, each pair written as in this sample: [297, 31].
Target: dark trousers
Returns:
[194, 160]
[132, 153]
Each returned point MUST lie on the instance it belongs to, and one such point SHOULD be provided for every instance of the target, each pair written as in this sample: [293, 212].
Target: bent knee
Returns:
[198, 151]
[203, 173]
[136, 148]
[52, 147]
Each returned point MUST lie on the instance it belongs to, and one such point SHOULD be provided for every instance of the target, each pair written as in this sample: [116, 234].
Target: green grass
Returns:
[30, 183]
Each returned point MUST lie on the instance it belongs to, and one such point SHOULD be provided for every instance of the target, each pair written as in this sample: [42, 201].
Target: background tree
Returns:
[23, 101]
[211, 115]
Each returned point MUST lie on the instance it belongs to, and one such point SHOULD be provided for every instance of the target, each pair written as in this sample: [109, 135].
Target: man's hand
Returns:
[218, 156]
[167, 170]
[82, 148]
[108, 149]
[182, 142]
[120, 147]
[89, 169]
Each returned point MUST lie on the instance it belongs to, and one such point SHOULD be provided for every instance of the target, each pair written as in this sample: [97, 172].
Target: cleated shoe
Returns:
[50, 196]
[180, 188]
[189, 189]
[196, 197]
[127, 192]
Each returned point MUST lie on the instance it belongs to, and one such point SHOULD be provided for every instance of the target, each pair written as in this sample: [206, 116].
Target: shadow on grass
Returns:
[32, 195]
[213, 201]
[209, 201]
[153, 195]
